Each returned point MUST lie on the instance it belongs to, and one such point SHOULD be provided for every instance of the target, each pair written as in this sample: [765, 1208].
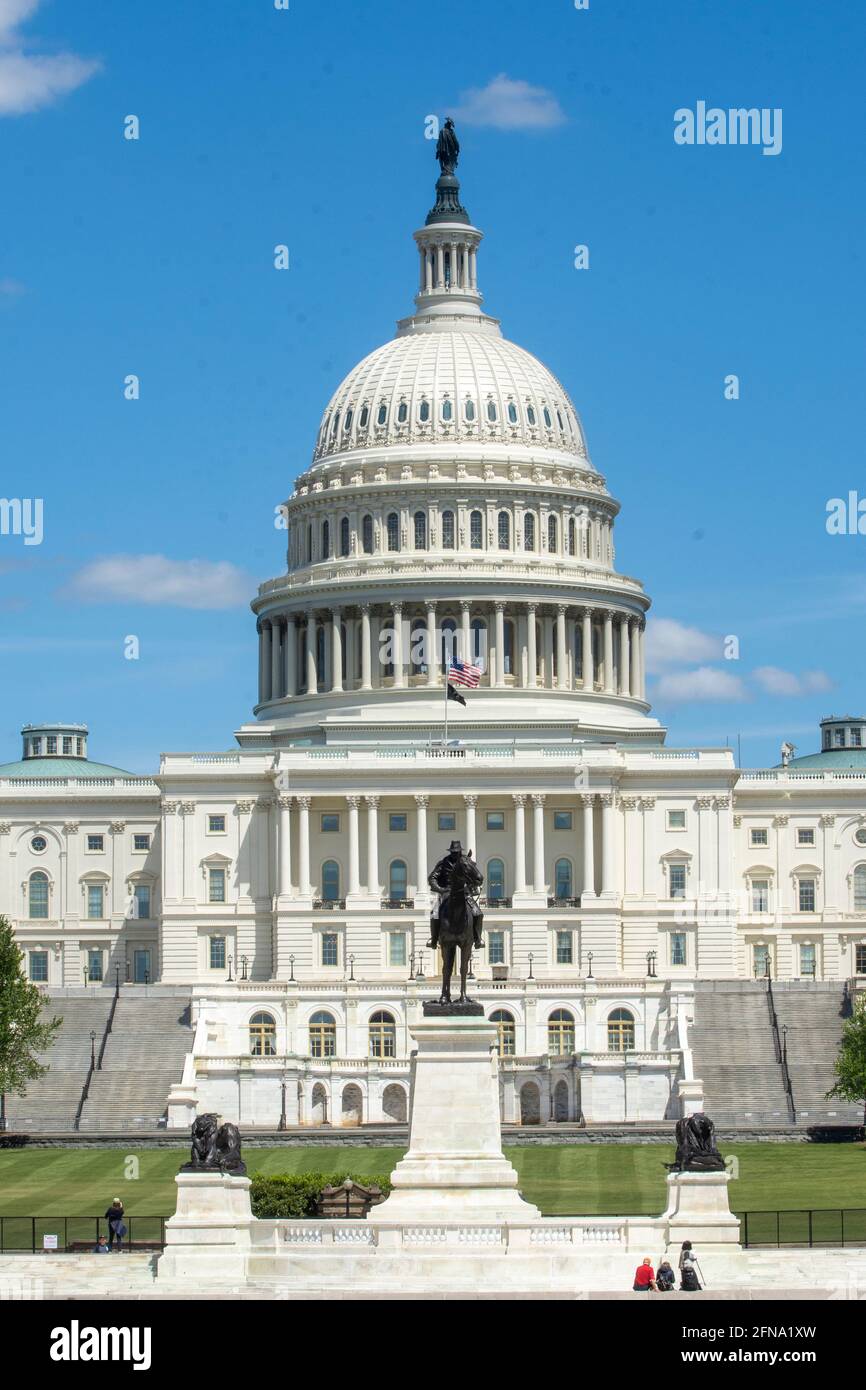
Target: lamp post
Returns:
[291, 967]
[420, 973]
[92, 1050]
[412, 966]
[651, 964]
[530, 958]
[351, 967]
[785, 1043]
[84, 972]
[230, 978]
[589, 965]
[243, 967]
[282, 1124]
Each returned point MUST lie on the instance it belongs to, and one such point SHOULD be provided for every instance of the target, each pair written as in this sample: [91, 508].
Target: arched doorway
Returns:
[530, 1104]
[560, 1101]
[319, 1105]
[353, 1106]
[394, 1107]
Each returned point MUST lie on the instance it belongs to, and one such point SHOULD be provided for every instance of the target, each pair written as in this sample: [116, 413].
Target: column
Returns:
[266, 658]
[373, 885]
[312, 675]
[428, 269]
[351, 652]
[421, 844]
[470, 802]
[262, 656]
[500, 644]
[624, 674]
[539, 885]
[440, 265]
[336, 650]
[519, 845]
[608, 846]
[366, 654]
[531, 653]
[561, 657]
[465, 633]
[473, 267]
[118, 892]
[641, 637]
[285, 846]
[608, 652]
[188, 812]
[588, 847]
[586, 650]
[276, 660]
[422, 275]
[432, 647]
[354, 845]
[304, 885]
[397, 646]
[634, 673]
[547, 639]
[291, 655]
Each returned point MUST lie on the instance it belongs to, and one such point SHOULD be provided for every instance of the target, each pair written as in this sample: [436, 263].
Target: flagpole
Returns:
[447, 677]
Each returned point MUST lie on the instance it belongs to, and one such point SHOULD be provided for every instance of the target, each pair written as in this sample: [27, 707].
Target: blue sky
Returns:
[306, 126]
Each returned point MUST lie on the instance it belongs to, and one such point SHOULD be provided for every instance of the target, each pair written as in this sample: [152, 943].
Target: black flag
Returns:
[455, 694]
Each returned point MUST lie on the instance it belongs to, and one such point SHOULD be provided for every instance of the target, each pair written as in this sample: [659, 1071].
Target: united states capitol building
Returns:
[450, 510]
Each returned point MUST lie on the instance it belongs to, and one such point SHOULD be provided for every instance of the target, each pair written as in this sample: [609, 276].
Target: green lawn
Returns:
[596, 1179]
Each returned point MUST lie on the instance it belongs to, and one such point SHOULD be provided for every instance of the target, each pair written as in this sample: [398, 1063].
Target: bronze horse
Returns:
[456, 926]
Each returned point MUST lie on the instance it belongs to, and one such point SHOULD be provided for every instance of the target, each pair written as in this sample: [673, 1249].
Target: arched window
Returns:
[560, 1033]
[476, 531]
[512, 412]
[478, 638]
[559, 418]
[572, 537]
[393, 531]
[547, 419]
[330, 881]
[420, 530]
[469, 410]
[344, 536]
[383, 1034]
[528, 531]
[417, 645]
[326, 539]
[320, 651]
[424, 412]
[448, 648]
[495, 879]
[860, 888]
[447, 530]
[263, 1036]
[38, 895]
[323, 1035]
[562, 878]
[552, 535]
[620, 1031]
[367, 535]
[530, 414]
[363, 417]
[446, 409]
[508, 654]
[507, 1031]
[491, 411]
[336, 424]
[402, 413]
[397, 880]
[347, 423]
[310, 544]
[504, 526]
[382, 414]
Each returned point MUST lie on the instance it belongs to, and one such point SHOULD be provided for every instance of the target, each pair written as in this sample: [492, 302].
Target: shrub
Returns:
[279, 1196]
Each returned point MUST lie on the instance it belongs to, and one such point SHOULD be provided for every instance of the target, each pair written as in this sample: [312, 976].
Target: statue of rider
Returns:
[440, 881]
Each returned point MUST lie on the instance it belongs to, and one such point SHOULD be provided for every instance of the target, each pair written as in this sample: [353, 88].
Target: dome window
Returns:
[363, 417]
[491, 411]
[393, 531]
[528, 531]
[512, 412]
[476, 531]
[424, 412]
[446, 410]
[344, 536]
[530, 414]
[336, 424]
[382, 416]
[326, 539]
[504, 531]
[547, 420]
[347, 423]
[469, 410]
[572, 537]
[420, 530]
[402, 413]
[559, 418]
[552, 539]
[447, 530]
[367, 535]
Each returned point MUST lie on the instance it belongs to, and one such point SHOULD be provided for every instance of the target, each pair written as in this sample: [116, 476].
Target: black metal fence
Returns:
[76, 1234]
[818, 1226]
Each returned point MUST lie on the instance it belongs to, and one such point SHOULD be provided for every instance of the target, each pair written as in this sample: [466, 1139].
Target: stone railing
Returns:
[269, 1235]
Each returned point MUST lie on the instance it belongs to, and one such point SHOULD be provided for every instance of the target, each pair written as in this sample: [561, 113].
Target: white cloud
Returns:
[155, 579]
[774, 681]
[510, 104]
[669, 643]
[704, 683]
[29, 81]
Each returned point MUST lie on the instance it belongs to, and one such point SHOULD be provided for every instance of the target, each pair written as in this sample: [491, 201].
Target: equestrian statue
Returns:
[457, 918]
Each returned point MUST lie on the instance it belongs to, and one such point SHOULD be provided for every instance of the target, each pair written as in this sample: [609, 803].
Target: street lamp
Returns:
[283, 1124]
[351, 967]
[412, 966]
[785, 1043]
[589, 965]
[291, 967]
[230, 979]
[92, 1049]
[243, 967]
[420, 972]
[651, 964]
[530, 958]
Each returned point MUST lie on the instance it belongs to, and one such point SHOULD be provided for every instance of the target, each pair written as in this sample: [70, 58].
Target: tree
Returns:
[24, 1030]
[850, 1065]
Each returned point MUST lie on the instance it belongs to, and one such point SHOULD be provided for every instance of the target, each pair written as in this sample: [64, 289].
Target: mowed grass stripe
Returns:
[592, 1179]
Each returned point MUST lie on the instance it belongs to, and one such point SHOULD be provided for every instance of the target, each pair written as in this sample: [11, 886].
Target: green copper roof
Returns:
[830, 760]
[80, 768]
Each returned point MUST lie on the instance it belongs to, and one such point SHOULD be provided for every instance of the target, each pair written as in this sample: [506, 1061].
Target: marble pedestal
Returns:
[699, 1210]
[455, 1169]
[209, 1236]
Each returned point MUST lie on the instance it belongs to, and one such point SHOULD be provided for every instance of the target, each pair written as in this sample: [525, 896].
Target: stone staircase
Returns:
[143, 1058]
[814, 1015]
[734, 1054]
[51, 1101]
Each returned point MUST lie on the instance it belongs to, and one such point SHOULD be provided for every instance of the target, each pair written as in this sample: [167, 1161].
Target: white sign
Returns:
[49, 1242]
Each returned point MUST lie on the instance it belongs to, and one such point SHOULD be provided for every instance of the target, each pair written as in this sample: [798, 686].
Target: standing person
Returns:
[688, 1271]
[116, 1225]
[644, 1277]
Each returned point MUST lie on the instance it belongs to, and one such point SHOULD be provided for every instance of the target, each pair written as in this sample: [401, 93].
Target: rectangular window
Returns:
[140, 843]
[495, 820]
[39, 967]
[676, 820]
[496, 947]
[806, 894]
[397, 948]
[859, 960]
[67, 744]
[79, 747]
[838, 735]
[330, 822]
[760, 895]
[678, 880]
[94, 966]
[761, 959]
[562, 820]
[805, 837]
[330, 953]
[564, 948]
[217, 953]
[856, 737]
[398, 820]
[95, 844]
[142, 900]
[51, 742]
[808, 960]
[446, 820]
[95, 897]
[216, 885]
[216, 825]
[36, 746]
[758, 837]
[678, 948]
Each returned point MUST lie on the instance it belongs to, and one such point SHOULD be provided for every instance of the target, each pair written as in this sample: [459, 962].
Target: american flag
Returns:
[461, 673]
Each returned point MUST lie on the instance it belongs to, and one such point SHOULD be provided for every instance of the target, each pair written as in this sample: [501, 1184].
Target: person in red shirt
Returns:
[644, 1276]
